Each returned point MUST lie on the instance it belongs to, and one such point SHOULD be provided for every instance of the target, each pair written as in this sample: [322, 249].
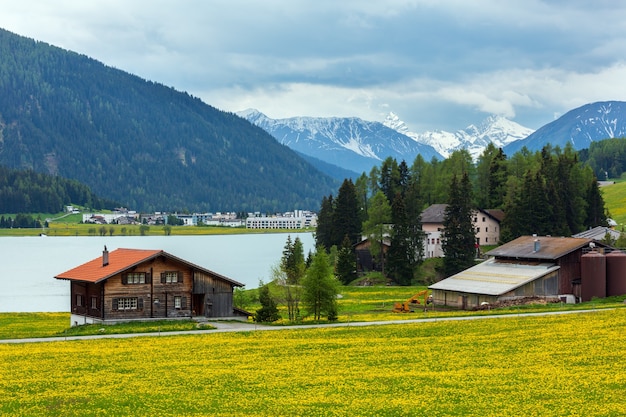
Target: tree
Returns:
[268, 312]
[346, 218]
[293, 266]
[400, 259]
[596, 212]
[320, 288]
[345, 267]
[458, 235]
[325, 223]
[376, 227]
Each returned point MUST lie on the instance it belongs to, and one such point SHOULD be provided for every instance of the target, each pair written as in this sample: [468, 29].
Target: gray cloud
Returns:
[437, 64]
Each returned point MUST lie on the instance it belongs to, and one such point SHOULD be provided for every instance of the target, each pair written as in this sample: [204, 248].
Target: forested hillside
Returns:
[607, 158]
[33, 192]
[145, 145]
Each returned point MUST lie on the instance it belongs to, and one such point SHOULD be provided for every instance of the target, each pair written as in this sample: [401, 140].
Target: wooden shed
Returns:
[140, 284]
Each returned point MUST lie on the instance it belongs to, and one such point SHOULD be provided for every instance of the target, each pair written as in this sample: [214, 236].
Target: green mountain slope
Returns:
[138, 142]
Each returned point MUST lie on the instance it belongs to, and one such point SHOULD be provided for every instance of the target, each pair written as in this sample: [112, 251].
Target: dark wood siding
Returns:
[569, 274]
[86, 299]
[215, 293]
[155, 299]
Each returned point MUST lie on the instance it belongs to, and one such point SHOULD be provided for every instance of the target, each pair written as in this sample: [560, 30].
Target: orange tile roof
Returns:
[119, 260]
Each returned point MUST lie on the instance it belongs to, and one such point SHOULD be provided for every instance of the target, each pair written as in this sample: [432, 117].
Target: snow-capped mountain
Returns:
[580, 127]
[495, 129]
[350, 143]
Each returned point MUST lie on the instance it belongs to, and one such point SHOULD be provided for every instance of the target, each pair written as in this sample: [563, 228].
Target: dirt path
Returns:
[236, 326]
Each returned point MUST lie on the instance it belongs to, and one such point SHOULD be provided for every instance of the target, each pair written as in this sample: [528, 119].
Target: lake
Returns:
[28, 264]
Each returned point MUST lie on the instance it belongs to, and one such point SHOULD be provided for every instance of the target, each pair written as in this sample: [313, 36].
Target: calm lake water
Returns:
[28, 264]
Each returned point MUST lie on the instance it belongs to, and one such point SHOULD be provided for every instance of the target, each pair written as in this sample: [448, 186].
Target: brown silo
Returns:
[616, 273]
[593, 276]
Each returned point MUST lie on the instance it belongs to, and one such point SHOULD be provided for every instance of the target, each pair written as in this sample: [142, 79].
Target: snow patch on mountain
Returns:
[495, 129]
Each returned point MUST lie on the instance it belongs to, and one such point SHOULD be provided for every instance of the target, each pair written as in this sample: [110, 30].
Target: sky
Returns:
[437, 64]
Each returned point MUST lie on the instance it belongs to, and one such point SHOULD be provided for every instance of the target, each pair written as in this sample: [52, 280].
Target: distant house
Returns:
[486, 227]
[130, 284]
[573, 269]
[365, 262]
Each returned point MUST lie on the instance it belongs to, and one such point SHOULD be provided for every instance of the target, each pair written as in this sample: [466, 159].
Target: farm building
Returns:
[130, 284]
[571, 269]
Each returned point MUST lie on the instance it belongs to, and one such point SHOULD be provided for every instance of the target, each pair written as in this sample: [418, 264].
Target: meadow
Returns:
[559, 365]
[615, 201]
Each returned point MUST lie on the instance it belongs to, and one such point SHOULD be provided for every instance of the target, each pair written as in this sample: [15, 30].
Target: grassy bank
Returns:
[356, 304]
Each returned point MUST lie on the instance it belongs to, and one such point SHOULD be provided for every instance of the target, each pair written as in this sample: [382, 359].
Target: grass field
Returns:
[562, 365]
[615, 201]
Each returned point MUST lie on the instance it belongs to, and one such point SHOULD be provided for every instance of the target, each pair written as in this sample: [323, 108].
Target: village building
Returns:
[298, 219]
[140, 284]
[557, 268]
[486, 227]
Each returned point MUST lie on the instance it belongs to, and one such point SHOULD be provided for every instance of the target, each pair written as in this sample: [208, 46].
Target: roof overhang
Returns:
[494, 278]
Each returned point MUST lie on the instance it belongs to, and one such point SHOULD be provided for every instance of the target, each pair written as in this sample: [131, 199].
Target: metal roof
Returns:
[494, 278]
[599, 233]
[539, 247]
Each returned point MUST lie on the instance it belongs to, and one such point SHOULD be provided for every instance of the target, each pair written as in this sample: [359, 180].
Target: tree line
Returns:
[548, 192]
[27, 191]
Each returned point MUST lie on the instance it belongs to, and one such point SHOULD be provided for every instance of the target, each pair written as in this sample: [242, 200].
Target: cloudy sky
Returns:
[436, 64]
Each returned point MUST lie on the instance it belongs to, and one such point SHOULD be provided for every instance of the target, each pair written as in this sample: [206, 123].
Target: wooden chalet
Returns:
[139, 284]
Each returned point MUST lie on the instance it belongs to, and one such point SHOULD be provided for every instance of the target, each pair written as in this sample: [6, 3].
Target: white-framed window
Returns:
[129, 303]
[178, 302]
[170, 277]
[79, 300]
[136, 278]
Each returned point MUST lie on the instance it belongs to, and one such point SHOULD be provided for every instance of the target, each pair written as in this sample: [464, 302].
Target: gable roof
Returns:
[121, 260]
[549, 248]
[435, 213]
[494, 278]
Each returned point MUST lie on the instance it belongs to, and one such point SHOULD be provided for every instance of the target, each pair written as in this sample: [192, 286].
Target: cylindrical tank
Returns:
[593, 276]
[616, 273]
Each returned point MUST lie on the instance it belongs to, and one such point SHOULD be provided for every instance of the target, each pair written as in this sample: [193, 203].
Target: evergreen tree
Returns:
[389, 178]
[498, 175]
[345, 267]
[320, 288]
[346, 218]
[376, 227]
[269, 311]
[293, 266]
[459, 239]
[325, 223]
[596, 212]
[400, 257]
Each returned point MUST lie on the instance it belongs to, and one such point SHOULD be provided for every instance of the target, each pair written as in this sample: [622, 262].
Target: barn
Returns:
[140, 284]
[570, 269]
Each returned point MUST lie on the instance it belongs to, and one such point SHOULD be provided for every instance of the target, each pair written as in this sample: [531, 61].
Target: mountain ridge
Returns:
[349, 142]
[139, 142]
[579, 126]
[474, 138]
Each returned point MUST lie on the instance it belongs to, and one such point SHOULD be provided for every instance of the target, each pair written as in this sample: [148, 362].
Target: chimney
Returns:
[537, 245]
[105, 256]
